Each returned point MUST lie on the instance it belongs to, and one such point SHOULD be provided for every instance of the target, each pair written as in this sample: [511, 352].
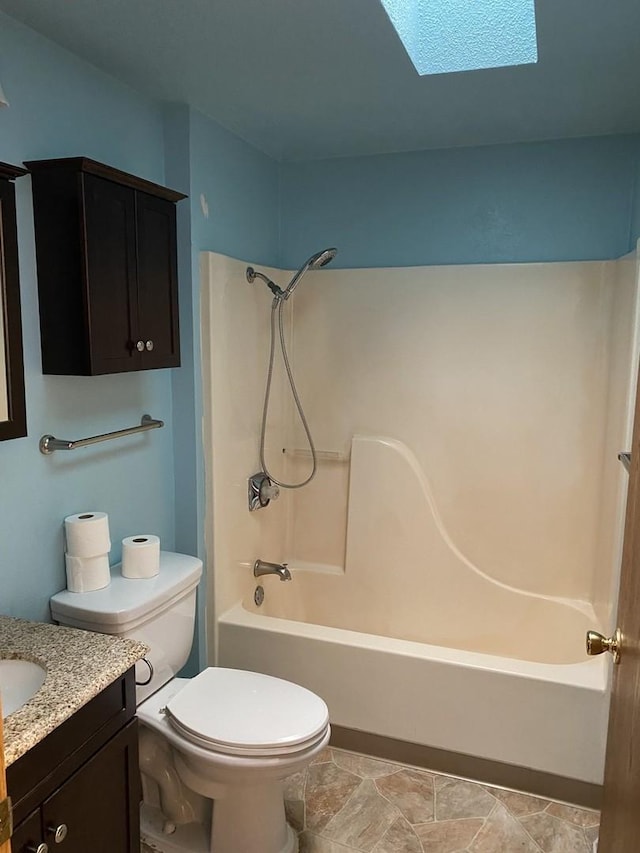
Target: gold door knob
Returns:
[597, 644]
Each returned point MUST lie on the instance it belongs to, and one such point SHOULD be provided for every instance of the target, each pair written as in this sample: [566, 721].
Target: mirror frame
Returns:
[16, 425]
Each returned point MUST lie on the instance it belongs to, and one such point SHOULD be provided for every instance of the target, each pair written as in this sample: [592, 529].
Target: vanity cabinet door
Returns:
[97, 809]
[28, 835]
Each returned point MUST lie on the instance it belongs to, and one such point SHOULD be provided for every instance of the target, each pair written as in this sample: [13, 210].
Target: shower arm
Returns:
[252, 275]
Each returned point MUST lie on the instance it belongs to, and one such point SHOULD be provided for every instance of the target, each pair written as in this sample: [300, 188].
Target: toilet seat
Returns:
[236, 712]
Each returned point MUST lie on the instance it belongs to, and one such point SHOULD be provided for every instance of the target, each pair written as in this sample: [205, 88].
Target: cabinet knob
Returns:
[140, 346]
[149, 346]
[59, 833]
[41, 848]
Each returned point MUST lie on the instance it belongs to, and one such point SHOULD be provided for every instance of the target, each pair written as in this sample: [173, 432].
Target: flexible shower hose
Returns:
[278, 304]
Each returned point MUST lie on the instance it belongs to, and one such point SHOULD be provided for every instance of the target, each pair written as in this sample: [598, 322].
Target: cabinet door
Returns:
[157, 281]
[110, 247]
[97, 809]
[28, 835]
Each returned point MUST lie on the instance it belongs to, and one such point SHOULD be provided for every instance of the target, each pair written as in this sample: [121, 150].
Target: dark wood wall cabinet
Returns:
[78, 790]
[13, 418]
[107, 269]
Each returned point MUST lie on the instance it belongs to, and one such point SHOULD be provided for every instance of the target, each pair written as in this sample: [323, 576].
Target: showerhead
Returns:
[321, 259]
[315, 262]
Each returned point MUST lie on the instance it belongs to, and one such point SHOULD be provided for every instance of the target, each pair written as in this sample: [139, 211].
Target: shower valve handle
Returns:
[261, 491]
[269, 491]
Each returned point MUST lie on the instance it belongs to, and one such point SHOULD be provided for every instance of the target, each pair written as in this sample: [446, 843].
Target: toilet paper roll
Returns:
[86, 574]
[87, 534]
[141, 556]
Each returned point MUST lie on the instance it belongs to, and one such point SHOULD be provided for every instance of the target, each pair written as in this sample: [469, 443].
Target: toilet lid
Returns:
[237, 711]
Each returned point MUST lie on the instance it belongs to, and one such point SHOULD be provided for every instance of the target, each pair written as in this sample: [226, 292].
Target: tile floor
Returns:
[350, 803]
[345, 802]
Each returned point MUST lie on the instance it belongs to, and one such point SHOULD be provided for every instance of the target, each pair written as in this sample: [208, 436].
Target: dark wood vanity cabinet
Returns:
[107, 270]
[78, 791]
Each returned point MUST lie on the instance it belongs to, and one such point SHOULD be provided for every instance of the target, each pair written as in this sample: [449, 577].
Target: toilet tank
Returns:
[159, 611]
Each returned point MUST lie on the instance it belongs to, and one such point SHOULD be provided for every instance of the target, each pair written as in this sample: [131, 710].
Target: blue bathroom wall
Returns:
[234, 209]
[186, 433]
[547, 201]
[60, 106]
[239, 189]
[178, 176]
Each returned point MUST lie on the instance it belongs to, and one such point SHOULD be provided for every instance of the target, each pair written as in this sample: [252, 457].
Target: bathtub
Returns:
[547, 717]
[411, 640]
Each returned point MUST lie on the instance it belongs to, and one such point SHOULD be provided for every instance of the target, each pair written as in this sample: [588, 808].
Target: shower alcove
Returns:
[464, 528]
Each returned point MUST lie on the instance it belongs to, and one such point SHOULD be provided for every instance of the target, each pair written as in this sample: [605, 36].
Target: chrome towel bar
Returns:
[48, 444]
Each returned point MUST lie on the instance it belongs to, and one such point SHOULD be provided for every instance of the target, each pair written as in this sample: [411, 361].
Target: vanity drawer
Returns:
[41, 770]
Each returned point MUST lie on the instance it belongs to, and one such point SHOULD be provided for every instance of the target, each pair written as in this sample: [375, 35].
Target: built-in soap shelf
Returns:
[321, 455]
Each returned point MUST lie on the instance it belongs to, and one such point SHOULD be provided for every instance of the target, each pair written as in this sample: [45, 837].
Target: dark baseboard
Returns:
[483, 770]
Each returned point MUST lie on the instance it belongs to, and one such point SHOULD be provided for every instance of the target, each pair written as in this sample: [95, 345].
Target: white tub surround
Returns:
[404, 577]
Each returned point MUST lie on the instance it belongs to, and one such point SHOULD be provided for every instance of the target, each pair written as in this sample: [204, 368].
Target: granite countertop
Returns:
[79, 665]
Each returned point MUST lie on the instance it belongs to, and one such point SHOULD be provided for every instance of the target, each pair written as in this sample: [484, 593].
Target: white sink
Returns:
[19, 681]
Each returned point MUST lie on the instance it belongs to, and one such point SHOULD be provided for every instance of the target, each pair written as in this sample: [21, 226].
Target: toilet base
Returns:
[191, 838]
[252, 820]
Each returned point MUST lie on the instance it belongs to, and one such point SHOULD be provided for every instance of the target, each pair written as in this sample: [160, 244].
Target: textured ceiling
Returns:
[442, 36]
[304, 79]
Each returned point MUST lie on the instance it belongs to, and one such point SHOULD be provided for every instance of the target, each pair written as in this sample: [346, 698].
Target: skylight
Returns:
[443, 36]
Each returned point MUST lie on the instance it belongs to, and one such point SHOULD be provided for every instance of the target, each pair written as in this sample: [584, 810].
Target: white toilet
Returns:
[226, 736]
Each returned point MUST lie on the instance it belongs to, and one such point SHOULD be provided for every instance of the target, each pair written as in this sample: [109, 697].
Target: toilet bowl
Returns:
[214, 749]
[239, 757]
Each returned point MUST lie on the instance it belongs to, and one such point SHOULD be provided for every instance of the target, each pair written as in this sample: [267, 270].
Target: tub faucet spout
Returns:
[261, 568]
